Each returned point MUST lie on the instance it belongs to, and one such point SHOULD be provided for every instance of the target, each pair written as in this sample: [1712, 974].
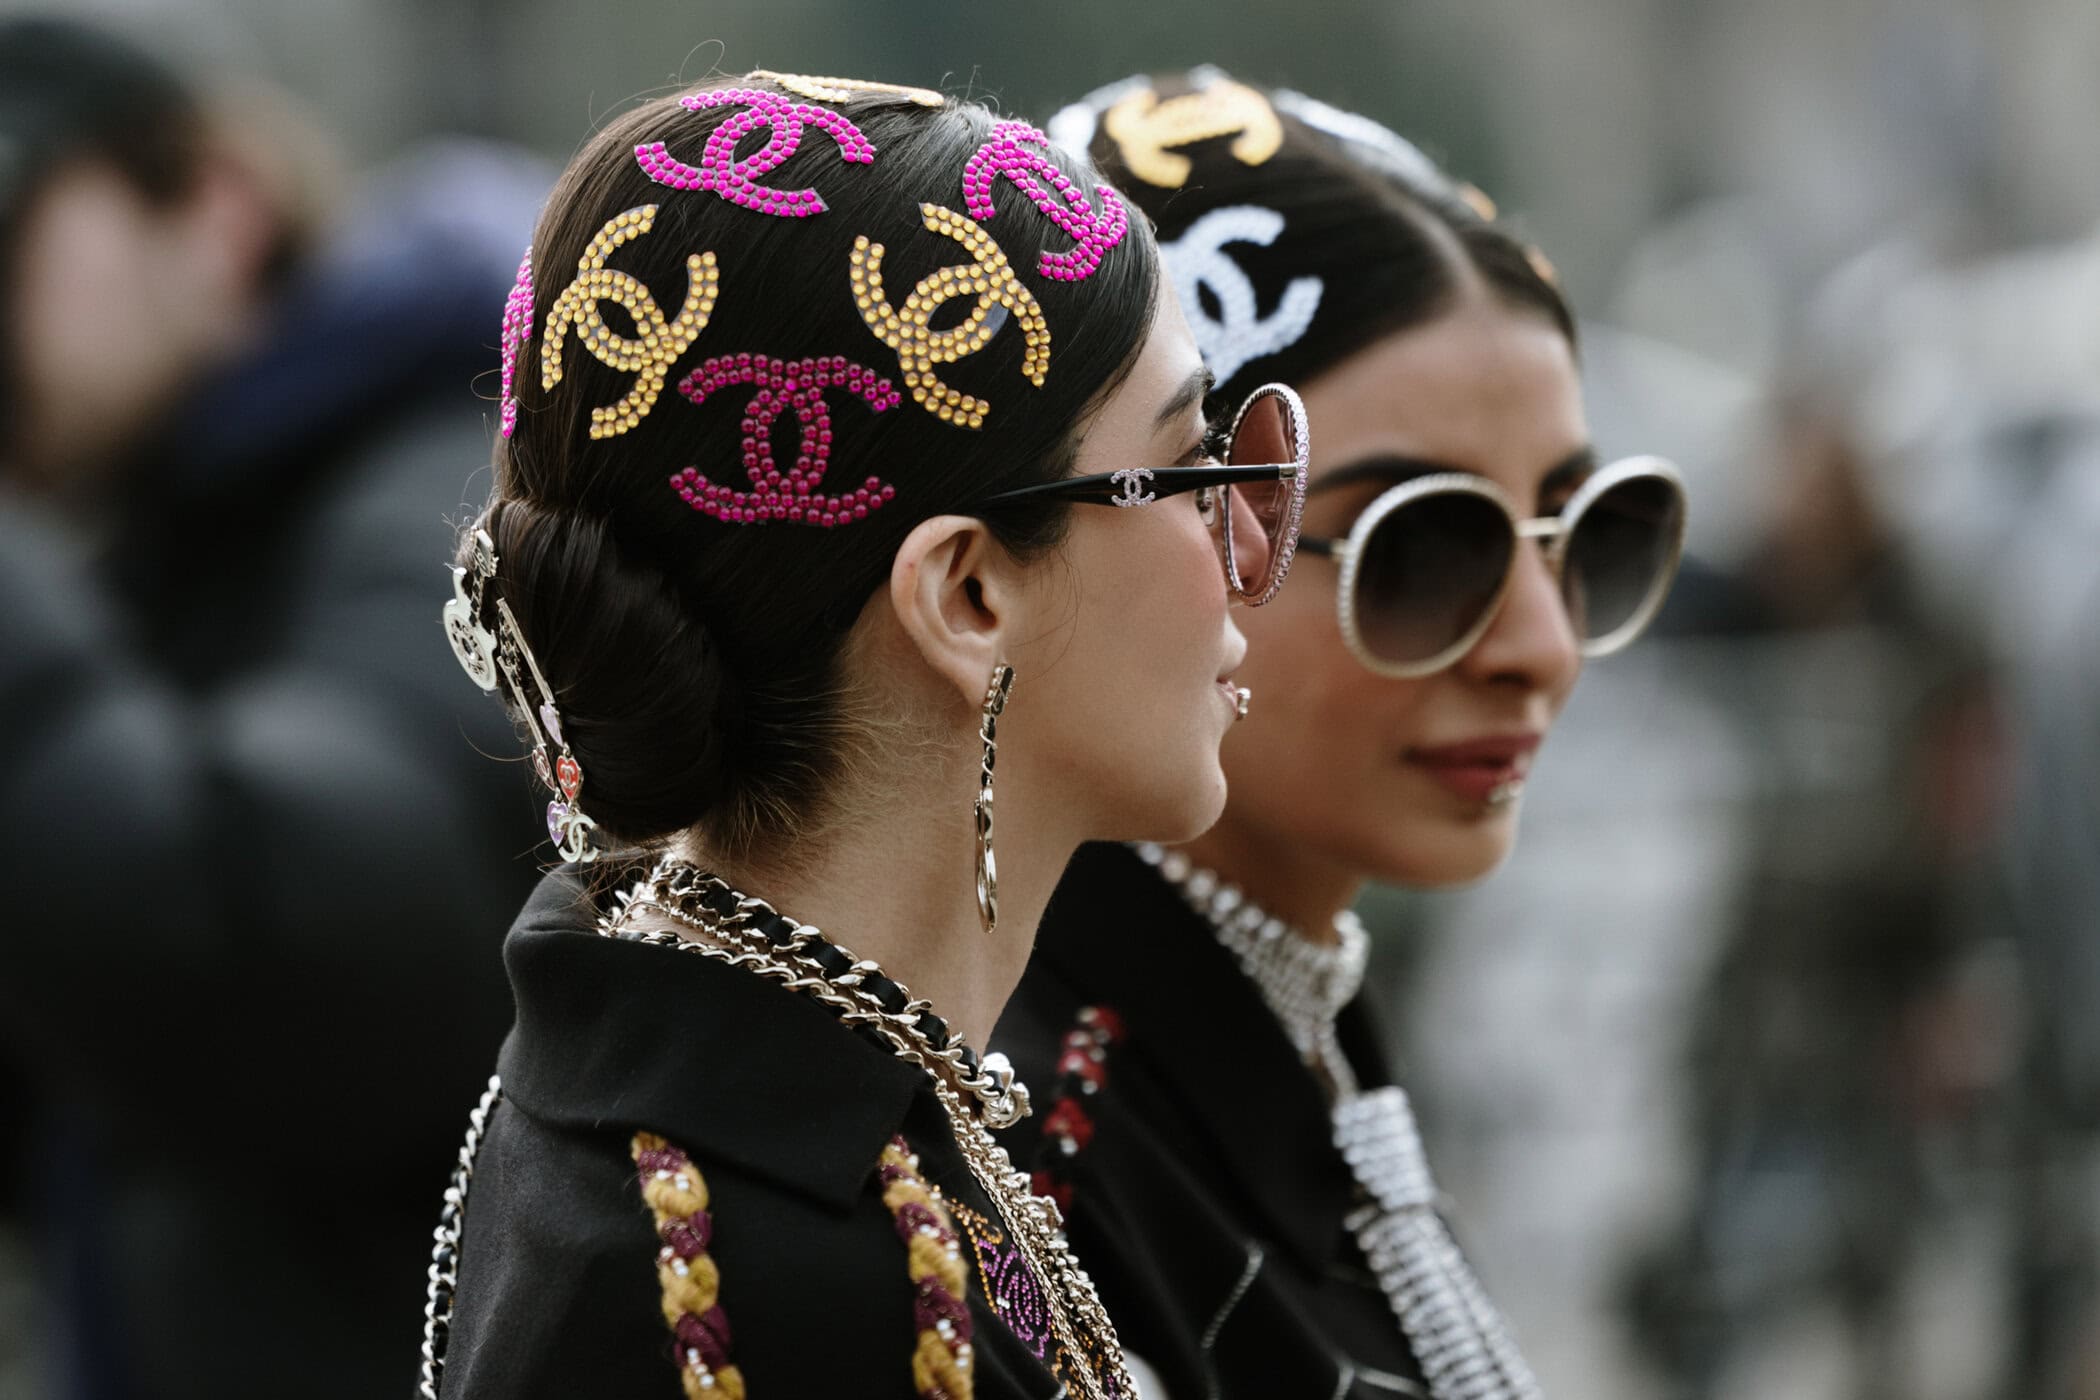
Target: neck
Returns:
[898, 887]
[1298, 886]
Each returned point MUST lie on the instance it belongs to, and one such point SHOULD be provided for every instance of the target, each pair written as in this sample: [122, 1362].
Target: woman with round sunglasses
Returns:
[783, 577]
[1238, 1170]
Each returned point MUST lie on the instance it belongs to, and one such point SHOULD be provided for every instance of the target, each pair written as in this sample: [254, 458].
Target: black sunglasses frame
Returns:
[1141, 486]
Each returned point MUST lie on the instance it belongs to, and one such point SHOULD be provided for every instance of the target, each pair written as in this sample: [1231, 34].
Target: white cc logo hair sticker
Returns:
[1237, 335]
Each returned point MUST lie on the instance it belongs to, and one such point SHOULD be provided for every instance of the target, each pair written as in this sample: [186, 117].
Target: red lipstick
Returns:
[1477, 770]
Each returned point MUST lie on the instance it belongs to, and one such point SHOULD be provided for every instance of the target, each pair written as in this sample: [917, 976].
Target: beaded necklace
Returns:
[746, 932]
[1457, 1335]
[1305, 984]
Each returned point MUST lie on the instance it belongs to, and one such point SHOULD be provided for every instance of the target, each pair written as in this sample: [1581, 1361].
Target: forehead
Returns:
[1484, 388]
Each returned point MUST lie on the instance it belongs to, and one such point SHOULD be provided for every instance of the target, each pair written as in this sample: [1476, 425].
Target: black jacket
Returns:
[259, 860]
[1207, 1197]
[784, 1110]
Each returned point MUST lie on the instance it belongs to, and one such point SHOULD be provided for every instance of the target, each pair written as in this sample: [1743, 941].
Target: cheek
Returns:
[1141, 713]
[1318, 763]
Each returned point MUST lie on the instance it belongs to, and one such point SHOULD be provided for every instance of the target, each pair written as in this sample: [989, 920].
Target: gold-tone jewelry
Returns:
[995, 697]
[845, 89]
[749, 933]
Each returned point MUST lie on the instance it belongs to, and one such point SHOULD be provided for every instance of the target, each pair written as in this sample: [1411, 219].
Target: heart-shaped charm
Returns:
[569, 773]
[550, 720]
[539, 766]
[557, 821]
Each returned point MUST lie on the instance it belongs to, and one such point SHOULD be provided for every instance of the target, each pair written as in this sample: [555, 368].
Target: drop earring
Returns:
[995, 697]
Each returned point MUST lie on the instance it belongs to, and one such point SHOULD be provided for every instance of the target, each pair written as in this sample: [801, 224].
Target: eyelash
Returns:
[1212, 446]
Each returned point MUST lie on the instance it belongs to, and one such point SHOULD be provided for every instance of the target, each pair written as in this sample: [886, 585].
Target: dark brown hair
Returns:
[1364, 210]
[697, 663]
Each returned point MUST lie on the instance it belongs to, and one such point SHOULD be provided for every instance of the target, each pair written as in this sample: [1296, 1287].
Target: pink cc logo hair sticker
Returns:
[517, 329]
[1020, 153]
[793, 495]
[720, 172]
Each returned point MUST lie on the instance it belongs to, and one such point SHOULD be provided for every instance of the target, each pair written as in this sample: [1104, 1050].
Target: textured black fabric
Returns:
[260, 860]
[784, 1110]
[1208, 1204]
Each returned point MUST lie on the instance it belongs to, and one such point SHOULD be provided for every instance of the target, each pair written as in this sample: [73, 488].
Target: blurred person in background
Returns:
[231, 437]
[1240, 1172]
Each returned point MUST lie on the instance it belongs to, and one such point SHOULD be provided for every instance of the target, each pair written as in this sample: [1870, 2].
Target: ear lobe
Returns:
[951, 599]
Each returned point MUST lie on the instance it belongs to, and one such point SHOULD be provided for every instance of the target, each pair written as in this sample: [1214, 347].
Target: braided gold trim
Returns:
[691, 1282]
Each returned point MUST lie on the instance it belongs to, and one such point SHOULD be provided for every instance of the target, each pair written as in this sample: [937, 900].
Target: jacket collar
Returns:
[1119, 931]
[718, 1060]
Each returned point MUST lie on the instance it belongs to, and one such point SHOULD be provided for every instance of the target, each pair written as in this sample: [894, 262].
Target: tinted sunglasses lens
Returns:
[1620, 557]
[1429, 571]
[1267, 435]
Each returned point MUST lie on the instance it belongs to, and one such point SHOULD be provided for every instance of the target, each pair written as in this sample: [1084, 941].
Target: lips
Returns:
[1477, 769]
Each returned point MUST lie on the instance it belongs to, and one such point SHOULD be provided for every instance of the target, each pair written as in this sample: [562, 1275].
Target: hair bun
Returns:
[645, 698]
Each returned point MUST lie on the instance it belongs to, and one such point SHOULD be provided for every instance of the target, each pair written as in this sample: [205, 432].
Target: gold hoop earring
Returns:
[995, 697]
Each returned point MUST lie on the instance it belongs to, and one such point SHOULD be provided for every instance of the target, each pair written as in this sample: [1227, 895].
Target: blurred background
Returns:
[1769, 1066]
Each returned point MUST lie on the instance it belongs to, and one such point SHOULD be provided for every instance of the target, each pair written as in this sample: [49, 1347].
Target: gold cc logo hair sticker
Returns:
[909, 331]
[658, 342]
[1143, 127]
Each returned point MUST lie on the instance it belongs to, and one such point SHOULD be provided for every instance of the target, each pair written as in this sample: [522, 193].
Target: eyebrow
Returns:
[1194, 390]
[1393, 470]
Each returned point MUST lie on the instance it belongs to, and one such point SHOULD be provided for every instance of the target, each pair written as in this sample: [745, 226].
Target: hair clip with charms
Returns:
[562, 774]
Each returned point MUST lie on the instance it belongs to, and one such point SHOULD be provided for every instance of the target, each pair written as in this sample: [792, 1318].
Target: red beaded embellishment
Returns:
[793, 495]
[1093, 231]
[720, 172]
[1082, 1071]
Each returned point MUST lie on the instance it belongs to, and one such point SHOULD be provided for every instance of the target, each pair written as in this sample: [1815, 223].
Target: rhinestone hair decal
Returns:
[792, 495]
[1020, 153]
[909, 332]
[720, 172]
[1237, 334]
[1383, 149]
[658, 343]
[1143, 127]
[517, 329]
[1074, 124]
[843, 89]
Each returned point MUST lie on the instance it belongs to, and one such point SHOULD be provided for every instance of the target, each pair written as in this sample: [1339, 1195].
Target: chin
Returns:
[1443, 855]
[1177, 809]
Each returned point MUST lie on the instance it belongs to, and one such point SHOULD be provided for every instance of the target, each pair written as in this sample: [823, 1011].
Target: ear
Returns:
[952, 588]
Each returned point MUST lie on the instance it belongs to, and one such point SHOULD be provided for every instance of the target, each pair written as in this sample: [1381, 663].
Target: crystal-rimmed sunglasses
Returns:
[1428, 565]
[1261, 475]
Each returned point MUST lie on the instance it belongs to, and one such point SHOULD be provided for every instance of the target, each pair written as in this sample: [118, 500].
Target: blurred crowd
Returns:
[1765, 1068]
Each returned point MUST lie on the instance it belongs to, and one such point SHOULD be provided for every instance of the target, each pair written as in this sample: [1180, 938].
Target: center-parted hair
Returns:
[1297, 234]
[727, 402]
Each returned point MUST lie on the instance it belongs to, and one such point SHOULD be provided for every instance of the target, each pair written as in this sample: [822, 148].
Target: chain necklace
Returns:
[1457, 1335]
[749, 933]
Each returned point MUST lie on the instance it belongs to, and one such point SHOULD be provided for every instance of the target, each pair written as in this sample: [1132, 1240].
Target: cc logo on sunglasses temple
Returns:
[1132, 480]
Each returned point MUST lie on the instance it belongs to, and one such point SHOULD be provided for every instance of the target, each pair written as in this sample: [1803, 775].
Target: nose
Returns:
[1532, 640]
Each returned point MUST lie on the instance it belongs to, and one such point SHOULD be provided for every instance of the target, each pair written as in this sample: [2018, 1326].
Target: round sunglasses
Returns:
[1427, 566]
[1261, 476]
